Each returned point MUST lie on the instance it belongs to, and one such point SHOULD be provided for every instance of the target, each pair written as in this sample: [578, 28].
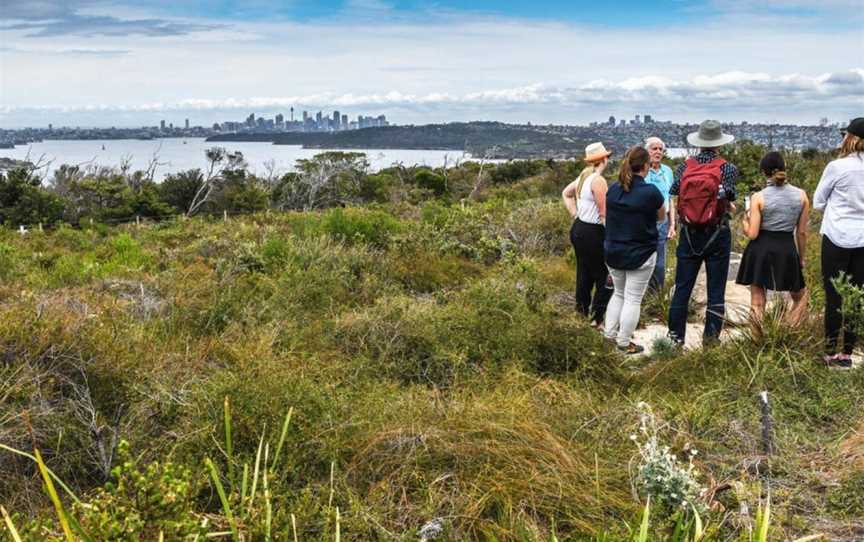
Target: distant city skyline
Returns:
[134, 62]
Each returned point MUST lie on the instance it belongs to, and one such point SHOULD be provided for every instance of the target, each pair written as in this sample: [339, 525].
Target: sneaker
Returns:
[631, 349]
[676, 342]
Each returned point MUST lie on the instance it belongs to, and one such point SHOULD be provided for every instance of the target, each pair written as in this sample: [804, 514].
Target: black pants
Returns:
[591, 272]
[834, 261]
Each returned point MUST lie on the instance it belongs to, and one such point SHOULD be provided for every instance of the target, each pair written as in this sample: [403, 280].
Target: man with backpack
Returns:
[704, 189]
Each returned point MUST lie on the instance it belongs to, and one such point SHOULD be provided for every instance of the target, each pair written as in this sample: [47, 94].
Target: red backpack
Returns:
[699, 202]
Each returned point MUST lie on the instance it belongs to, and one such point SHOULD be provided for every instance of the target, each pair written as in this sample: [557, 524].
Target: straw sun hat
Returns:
[595, 152]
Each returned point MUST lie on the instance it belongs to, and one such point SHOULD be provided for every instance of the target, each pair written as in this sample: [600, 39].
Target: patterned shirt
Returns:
[728, 174]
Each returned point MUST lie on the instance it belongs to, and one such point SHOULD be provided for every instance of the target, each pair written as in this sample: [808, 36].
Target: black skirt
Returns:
[771, 261]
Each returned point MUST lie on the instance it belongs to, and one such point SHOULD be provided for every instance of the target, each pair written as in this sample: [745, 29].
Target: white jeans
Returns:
[622, 314]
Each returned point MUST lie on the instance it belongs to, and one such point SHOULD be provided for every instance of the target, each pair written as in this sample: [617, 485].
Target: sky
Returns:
[136, 62]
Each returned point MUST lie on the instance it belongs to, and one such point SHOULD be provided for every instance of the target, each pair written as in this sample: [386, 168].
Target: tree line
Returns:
[77, 193]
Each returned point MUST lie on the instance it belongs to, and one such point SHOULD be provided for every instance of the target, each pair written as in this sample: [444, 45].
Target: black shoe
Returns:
[710, 342]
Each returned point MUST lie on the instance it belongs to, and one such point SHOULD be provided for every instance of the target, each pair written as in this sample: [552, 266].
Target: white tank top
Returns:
[586, 207]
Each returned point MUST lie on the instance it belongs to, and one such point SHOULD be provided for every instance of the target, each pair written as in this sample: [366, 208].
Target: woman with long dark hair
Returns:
[776, 219]
[841, 195]
[585, 199]
[633, 208]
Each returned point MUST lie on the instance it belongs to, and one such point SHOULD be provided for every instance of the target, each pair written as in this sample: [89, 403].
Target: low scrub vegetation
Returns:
[411, 368]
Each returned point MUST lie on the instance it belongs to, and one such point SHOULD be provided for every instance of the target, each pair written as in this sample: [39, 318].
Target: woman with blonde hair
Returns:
[777, 218]
[841, 195]
[585, 200]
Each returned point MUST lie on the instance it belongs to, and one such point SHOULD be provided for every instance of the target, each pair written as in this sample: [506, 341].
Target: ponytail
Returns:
[774, 167]
[778, 177]
[587, 172]
[634, 161]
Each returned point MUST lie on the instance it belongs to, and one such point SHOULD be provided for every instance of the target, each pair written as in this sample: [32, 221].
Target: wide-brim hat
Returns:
[710, 135]
[596, 151]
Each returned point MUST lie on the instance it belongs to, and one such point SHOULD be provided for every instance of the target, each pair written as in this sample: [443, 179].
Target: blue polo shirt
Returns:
[631, 224]
[663, 180]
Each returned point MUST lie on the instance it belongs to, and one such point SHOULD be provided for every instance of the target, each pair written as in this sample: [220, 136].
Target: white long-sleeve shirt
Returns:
[841, 194]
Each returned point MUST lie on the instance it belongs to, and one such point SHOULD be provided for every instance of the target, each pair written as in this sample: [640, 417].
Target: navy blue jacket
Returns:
[631, 224]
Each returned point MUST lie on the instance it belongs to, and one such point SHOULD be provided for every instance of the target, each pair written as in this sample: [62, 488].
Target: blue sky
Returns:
[134, 62]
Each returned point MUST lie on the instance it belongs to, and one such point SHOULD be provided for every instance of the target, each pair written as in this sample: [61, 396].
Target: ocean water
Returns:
[180, 154]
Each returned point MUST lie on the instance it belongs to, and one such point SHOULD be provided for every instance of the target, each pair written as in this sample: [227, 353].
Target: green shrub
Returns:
[847, 500]
[354, 225]
[486, 327]
[140, 501]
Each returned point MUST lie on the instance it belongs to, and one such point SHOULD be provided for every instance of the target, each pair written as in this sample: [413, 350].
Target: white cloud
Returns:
[443, 68]
[721, 90]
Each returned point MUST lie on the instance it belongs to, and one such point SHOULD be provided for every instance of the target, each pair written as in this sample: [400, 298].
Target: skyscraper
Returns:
[336, 120]
[280, 119]
[611, 121]
[162, 125]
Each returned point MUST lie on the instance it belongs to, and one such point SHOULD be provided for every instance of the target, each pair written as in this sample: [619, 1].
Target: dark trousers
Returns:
[834, 261]
[694, 248]
[592, 291]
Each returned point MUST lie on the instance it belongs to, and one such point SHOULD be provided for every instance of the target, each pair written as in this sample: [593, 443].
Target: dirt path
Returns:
[737, 310]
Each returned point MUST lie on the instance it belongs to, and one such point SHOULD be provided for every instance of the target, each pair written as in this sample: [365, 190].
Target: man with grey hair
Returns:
[661, 176]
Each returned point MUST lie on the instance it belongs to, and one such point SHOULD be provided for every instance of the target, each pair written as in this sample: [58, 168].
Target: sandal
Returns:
[631, 349]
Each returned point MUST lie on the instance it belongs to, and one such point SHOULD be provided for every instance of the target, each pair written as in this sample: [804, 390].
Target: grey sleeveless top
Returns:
[782, 208]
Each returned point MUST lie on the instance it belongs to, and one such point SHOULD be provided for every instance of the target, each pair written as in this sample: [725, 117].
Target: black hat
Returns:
[856, 127]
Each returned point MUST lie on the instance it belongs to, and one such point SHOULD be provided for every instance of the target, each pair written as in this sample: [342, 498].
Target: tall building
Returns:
[637, 119]
[319, 119]
[187, 124]
[337, 118]
[344, 122]
[305, 117]
[648, 119]
[280, 119]
[292, 115]
[162, 125]
[611, 120]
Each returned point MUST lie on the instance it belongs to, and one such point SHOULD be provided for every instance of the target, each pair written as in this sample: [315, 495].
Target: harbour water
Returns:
[175, 154]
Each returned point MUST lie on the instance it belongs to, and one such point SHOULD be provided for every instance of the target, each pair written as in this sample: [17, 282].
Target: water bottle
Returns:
[721, 194]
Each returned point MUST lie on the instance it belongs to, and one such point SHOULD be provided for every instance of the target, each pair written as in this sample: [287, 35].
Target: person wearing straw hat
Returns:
[585, 200]
[704, 192]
